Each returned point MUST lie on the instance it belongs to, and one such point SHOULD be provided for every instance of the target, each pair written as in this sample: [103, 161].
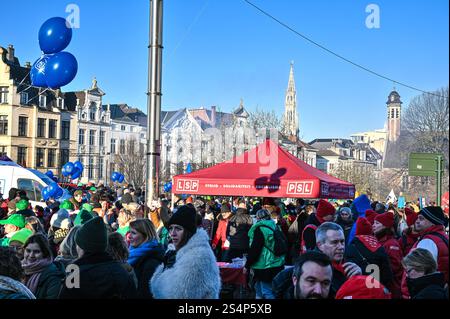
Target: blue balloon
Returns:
[189, 168]
[49, 174]
[115, 176]
[52, 187]
[58, 193]
[37, 72]
[45, 193]
[78, 165]
[76, 173]
[121, 178]
[60, 69]
[54, 35]
[68, 169]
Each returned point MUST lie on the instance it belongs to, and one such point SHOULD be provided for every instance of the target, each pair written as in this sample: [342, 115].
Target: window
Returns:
[42, 101]
[65, 130]
[100, 168]
[123, 127]
[41, 128]
[392, 113]
[101, 141]
[81, 136]
[23, 126]
[22, 156]
[23, 98]
[64, 157]
[60, 103]
[3, 94]
[91, 137]
[3, 151]
[3, 124]
[51, 157]
[131, 149]
[31, 187]
[52, 128]
[122, 147]
[397, 113]
[91, 168]
[113, 146]
[40, 157]
[92, 112]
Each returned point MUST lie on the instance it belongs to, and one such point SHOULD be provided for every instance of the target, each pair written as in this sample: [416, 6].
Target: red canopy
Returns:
[268, 171]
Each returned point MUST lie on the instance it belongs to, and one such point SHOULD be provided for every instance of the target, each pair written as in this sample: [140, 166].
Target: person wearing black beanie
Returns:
[100, 276]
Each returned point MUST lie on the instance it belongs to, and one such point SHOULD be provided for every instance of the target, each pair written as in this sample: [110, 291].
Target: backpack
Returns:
[281, 245]
[303, 244]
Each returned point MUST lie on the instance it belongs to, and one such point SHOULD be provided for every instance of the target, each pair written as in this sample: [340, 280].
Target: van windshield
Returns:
[42, 176]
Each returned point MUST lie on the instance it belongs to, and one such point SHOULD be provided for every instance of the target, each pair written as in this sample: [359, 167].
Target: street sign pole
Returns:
[439, 180]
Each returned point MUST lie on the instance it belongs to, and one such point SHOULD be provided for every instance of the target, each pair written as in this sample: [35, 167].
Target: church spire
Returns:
[290, 122]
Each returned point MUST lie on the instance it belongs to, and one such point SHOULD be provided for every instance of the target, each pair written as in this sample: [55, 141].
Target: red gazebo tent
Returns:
[265, 171]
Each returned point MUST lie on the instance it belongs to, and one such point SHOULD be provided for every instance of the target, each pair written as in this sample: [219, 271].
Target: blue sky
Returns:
[219, 51]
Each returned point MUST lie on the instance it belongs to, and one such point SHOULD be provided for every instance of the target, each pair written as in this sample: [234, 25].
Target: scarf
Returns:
[14, 286]
[142, 250]
[123, 230]
[33, 272]
[338, 267]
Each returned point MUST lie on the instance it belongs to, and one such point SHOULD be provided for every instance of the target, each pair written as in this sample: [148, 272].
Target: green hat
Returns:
[21, 236]
[87, 207]
[92, 237]
[82, 217]
[93, 189]
[15, 219]
[80, 184]
[67, 204]
[22, 204]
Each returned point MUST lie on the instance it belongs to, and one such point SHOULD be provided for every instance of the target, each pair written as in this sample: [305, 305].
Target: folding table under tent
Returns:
[264, 171]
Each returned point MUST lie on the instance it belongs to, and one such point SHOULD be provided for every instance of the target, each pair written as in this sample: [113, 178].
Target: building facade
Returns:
[36, 125]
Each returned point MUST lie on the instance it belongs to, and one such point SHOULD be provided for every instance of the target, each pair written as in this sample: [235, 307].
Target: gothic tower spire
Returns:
[290, 121]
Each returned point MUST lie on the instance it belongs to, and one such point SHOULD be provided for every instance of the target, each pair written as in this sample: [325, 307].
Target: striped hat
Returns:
[435, 215]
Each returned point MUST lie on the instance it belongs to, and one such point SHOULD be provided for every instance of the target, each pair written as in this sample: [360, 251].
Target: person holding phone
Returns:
[330, 240]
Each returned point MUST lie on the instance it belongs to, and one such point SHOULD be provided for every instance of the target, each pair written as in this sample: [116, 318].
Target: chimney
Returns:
[10, 54]
[213, 116]
[28, 65]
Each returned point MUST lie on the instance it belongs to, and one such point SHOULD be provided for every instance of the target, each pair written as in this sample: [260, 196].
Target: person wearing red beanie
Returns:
[370, 215]
[383, 230]
[365, 250]
[324, 213]
[362, 287]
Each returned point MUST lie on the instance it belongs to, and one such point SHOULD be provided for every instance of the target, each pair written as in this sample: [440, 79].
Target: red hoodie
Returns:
[394, 251]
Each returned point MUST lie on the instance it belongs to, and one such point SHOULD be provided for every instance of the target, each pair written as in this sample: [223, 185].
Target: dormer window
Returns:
[60, 102]
[92, 112]
[23, 98]
[42, 101]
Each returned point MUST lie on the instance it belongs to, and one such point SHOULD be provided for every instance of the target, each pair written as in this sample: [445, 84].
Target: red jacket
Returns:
[221, 234]
[394, 251]
[407, 241]
[442, 253]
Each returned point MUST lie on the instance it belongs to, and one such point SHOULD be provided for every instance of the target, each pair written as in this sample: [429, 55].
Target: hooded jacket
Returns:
[238, 228]
[194, 275]
[430, 286]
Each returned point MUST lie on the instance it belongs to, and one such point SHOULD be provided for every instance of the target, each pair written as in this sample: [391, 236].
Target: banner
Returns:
[444, 203]
[401, 202]
[391, 198]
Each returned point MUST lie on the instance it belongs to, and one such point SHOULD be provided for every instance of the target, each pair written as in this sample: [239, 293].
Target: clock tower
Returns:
[290, 122]
[394, 108]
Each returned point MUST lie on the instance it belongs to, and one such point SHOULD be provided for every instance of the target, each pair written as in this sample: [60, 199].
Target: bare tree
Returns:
[133, 163]
[263, 119]
[362, 175]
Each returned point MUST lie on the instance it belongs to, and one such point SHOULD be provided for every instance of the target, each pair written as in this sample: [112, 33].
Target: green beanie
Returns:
[87, 207]
[21, 236]
[67, 204]
[82, 217]
[92, 237]
[22, 204]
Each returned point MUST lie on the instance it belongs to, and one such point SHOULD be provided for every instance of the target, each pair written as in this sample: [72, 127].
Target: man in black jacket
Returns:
[99, 276]
[237, 233]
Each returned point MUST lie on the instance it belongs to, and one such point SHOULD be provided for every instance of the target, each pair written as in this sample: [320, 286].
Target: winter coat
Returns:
[282, 285]
[394, 251]
[366, 250]
[50, 282]
[346, 226]
[13, 289]
[430, 286]
[237, 230]
[407, 241]
[221, 234]
[100, 278]
[261, 257]
[194, 275]
[144, 269]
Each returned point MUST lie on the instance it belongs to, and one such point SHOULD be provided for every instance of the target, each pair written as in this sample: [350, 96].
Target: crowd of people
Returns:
[104, 242]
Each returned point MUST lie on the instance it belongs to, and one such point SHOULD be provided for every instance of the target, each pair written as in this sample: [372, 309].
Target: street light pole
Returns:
[154, 101]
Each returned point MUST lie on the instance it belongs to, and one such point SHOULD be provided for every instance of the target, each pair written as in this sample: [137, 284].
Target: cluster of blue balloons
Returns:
[167, 187]
[74, 170]
[117, 177]
[51, 176]
[52, 190]
[55, 68]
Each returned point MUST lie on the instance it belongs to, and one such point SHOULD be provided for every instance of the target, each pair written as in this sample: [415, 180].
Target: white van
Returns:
[27, 179]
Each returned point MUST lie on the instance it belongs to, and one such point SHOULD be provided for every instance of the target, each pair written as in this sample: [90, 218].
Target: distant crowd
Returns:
[104, 242]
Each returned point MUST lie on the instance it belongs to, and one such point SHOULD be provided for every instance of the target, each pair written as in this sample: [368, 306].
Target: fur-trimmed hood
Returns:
[195, 274]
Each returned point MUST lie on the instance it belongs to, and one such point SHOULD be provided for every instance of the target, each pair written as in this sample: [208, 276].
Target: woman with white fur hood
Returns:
[193, 273]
